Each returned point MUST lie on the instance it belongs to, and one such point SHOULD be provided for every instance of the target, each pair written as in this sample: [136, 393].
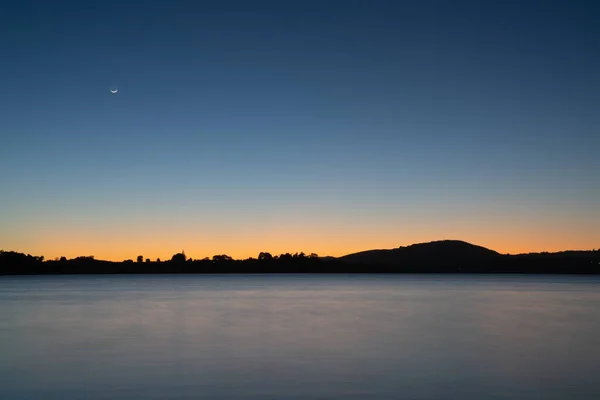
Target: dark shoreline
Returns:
[590, 269]
[442, 257]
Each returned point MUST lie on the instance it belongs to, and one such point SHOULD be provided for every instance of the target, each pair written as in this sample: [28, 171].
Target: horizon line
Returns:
[302, 252]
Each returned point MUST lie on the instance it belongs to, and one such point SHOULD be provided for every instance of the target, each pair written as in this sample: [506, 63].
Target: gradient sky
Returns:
[316, 126]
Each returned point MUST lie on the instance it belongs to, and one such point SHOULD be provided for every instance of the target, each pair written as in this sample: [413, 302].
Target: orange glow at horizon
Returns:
[326, 240]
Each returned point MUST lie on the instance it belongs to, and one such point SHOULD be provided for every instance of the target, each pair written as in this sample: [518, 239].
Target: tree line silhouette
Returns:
[434, 257]
[18, 263]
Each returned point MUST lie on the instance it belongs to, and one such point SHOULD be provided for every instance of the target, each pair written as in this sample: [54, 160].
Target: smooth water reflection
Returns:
[299, 337]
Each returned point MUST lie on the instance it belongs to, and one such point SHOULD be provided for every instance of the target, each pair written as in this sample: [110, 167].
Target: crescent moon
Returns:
[113, 91]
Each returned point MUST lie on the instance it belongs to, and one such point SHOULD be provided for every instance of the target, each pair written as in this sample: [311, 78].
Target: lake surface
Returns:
[300, 337]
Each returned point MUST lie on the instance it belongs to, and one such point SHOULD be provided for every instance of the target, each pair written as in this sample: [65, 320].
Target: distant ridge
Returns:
[435, 249]
[442, 253]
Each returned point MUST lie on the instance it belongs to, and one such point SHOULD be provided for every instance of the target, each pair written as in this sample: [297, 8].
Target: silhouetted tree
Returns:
[264, 256]
[140, 259]
[63, 259]
[158, 260]
[147, 260]
[84, 258]
[313, 256]
[222, 257]
[286, 257]
[178, 258]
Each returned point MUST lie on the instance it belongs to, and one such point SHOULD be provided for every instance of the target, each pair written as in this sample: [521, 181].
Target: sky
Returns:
[285, 126]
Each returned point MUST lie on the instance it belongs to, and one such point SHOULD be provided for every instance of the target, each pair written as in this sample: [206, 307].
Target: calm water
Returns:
[299, 337]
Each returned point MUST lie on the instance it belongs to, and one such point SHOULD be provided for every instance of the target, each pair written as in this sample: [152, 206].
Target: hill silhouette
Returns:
[436, 254]
[445, 256]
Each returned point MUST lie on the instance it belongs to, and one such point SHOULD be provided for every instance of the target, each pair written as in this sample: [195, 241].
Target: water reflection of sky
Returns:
[305, 336]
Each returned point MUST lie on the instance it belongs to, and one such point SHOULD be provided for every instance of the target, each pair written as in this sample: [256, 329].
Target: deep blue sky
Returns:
[326, 126]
